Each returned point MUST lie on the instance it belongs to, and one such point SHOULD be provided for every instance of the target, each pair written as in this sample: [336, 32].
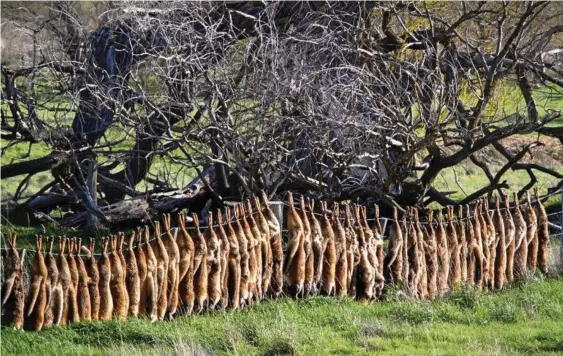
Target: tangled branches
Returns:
[339, 100]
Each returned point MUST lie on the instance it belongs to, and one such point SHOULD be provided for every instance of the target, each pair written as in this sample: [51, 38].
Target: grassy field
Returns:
[523, 319]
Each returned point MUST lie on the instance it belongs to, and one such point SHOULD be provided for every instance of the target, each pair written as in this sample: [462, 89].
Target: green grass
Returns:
[471, 178]
[520, 320]
[15, 154]
[547, 101]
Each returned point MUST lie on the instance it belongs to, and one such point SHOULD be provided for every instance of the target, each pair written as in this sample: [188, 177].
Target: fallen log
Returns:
[138, 210]
[144, 208]
[32, 166]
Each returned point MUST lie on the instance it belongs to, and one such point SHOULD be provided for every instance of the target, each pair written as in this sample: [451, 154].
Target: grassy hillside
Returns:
[520, 320]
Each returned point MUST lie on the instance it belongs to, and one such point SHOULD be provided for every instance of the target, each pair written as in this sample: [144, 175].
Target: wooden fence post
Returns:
[92, 220]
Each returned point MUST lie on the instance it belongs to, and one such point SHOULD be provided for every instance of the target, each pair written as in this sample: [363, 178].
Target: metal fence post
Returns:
[384, 228]
[92, 220]
[561, 235]
[277, 208]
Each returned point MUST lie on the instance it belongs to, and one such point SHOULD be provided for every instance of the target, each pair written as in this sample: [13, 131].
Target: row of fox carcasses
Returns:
[484, 250]
[85, 273]
[152, 278]
[476, 250]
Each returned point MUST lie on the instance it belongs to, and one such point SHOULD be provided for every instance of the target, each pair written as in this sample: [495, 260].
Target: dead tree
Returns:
[221, 93]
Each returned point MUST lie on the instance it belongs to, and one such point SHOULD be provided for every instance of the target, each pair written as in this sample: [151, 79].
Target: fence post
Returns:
[22, 256]
[561, 235]
[92, 220]
[384, 228]
[277, 208]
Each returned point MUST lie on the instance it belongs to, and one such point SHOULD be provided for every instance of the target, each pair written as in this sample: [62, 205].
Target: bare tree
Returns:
[338, 100]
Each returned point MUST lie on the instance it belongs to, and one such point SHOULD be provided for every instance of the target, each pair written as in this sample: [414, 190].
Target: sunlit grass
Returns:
[520, 320]
[467, 178]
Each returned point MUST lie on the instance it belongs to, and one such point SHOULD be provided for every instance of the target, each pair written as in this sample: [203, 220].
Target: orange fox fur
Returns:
[543, 235]
[378, 241]
[352, 251]
[365, 283]
[471, 256]
[141, 260]
[454, 251]
[341, 278]
[443, 256]
[477, 260]
[484, 242]
[213, 264]
[276, 281]
[405, 249]
[371, 247]
[186, 247]
[151, 284]
[244, 259]
[365, 274]
[462, 244]
[73, 267]
[413, 258]
[54, 305]
[173, 272]
[94, 280]
[234, 264]
[328, 278]
[104, 286]
[161, 272]
[372, 243]
[430, 251]
[83, 292]
[119, 248]
[252, 262]
[487, 240]
[521, 244]
[13, 297]
[224, 260]
[532, 235]
[423, 279]
[393, 261]
[317, 238]
[36, 300]
[117, 285]
[510, 233]
[308, 285]
[267, 256]
[255, 231]
[500, 257]
[295, 256]
[70, 310]
[200, 268]
[132, 279]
